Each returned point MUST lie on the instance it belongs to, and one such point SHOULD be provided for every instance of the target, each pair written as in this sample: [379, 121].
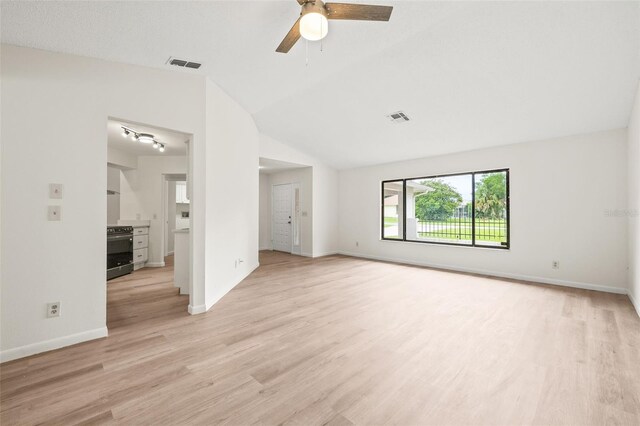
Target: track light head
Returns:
[125, 132]
[155, 144]
[161, 149]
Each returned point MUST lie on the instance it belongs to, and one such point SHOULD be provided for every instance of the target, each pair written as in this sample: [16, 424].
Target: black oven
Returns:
[119, 251]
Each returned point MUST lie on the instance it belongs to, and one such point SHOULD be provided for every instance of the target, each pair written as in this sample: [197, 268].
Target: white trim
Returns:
[306, 254]
[170, 253]
[49, 345]
[326, 253]
[634, 303]
[264, 248]
[154, 265]
[533, 279]
[198, 309]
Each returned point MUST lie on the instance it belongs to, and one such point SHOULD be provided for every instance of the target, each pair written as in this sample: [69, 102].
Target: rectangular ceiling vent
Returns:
[398, 117]
[184, 64]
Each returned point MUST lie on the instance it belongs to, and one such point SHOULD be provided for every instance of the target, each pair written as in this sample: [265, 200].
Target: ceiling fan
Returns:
[313, 21]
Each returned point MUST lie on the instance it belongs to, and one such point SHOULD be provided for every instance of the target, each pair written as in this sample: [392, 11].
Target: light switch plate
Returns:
[55, 213]
[55, 190]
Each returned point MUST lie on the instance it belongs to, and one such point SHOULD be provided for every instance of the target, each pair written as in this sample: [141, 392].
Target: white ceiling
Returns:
[468, 74]
[174, 142]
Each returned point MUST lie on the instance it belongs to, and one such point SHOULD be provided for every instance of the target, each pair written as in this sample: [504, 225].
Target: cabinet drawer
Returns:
[140, 255]
[141, 231]
[140, 241]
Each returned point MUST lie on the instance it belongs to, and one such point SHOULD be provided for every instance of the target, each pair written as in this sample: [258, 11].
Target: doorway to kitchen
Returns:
[141, 161]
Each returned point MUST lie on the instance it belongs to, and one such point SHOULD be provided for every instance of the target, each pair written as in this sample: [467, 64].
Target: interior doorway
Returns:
[285, 207]
[176, 209]
[140, 159]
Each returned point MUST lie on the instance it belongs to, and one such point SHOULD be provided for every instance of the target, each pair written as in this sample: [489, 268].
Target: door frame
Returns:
[166, 178]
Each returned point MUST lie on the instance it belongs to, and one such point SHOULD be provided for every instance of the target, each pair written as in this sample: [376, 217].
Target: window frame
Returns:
[473, 210]
[404, 191]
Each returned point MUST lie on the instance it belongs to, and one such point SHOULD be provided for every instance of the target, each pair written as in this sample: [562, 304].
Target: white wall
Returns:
[634, 202]
[560, 191]
[61, 92]
[304, 178]
[232, 194]
[121, 159]
[142, 198]
[171, 214]
[324, 193]
[113, 200]
[325, 208]
[264, 213]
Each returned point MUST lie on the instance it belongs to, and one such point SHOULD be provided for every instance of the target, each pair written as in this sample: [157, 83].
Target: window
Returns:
[468, 209]
[392, 205]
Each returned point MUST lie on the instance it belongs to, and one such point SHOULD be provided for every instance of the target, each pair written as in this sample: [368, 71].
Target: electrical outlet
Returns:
[53, 309]
[555, 264]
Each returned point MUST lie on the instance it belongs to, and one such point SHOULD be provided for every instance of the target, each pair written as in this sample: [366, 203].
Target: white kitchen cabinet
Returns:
[140, 246]
[140, 256]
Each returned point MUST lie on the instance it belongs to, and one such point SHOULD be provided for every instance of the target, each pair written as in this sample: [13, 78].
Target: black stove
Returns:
[119, 251]
[118, 230]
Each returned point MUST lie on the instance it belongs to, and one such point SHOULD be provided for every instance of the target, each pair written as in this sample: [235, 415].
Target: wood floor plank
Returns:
[341, 341]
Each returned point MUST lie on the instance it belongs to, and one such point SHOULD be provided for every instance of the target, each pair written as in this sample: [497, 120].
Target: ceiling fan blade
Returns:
[290, 39]
[358, 12]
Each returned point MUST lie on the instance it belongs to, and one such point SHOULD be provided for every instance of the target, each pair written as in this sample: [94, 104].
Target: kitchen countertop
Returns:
[134, 223]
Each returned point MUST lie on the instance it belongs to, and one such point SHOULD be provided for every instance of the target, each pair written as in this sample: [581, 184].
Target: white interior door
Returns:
[281, 217]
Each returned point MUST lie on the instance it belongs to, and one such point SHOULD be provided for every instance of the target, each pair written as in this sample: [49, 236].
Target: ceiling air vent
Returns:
[184, 64]
[398, 117]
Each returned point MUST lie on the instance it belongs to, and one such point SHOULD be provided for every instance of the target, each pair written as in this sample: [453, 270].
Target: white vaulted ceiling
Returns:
[468, 74]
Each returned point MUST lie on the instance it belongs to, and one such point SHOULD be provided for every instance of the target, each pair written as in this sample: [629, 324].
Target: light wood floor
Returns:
[342, 341]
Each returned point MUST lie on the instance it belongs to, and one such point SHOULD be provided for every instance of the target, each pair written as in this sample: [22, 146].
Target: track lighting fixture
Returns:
[146, 138]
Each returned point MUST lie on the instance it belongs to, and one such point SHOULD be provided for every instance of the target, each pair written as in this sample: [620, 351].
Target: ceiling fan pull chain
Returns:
[306, 53]
[321, 29]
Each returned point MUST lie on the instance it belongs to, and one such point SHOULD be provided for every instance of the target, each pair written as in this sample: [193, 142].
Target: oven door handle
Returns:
[119, 237]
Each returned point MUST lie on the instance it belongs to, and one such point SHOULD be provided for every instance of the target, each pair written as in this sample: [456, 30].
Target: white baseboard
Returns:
[169, 253]
[197, 309]
[154, 265]
[49, 345]
[534, 279]
[634, 303]
[327, 253]
[264, 248]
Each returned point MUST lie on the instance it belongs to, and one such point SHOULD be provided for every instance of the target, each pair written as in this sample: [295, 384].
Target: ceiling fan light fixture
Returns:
[314, 26]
